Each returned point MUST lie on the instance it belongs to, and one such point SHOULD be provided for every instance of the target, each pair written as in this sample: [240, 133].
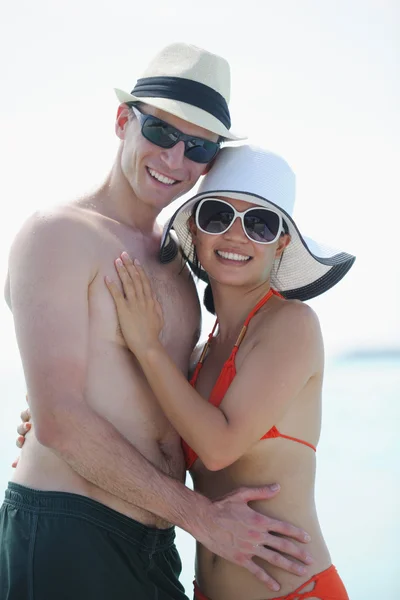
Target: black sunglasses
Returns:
[164, 135]
[261, 225]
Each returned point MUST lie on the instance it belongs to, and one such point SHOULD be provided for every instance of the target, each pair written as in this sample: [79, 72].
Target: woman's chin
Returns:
[233, 279]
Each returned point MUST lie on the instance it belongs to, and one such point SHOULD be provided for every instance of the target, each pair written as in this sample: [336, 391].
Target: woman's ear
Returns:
[283, 243]
[193, 229]
[121, 120]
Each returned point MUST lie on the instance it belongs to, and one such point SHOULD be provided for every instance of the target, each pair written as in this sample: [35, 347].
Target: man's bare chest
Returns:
[174, 290]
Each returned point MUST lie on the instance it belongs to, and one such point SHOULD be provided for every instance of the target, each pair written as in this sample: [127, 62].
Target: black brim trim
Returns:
[321, 285]
[169, 251]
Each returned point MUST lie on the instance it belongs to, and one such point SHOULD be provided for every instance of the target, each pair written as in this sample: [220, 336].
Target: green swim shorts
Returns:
[61, 546]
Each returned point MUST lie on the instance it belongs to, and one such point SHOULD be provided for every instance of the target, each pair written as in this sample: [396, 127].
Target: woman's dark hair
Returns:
[195, 265]
[208, 298]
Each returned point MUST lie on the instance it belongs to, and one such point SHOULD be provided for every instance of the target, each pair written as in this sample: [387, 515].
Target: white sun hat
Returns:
[248, 173]
[190, 83]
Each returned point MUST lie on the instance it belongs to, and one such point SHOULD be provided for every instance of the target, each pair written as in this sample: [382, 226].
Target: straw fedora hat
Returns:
[190, 83]
[307, 268]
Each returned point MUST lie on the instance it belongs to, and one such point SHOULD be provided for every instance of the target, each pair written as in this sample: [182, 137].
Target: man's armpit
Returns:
[7, 292]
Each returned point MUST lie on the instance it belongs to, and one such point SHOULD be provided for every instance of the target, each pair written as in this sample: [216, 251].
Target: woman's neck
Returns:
[233, 304]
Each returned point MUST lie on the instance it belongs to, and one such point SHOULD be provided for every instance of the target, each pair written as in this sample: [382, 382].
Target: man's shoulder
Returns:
[61, 239]
[57, 227]
[58, 218]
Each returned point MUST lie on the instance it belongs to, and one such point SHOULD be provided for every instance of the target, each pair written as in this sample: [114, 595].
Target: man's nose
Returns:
[173, 157]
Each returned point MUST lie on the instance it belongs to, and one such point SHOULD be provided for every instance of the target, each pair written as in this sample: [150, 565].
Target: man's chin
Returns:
[174, 193]
[162, 195]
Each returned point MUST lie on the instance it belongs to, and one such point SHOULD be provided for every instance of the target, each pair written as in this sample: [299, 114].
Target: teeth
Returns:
[161, 178]
[232, 256]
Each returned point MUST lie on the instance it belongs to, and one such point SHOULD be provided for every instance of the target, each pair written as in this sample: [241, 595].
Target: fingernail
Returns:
[274, 486]
[300, 570]
[307, 538]
[125, 255]
[276, 587]
[107, 279]
[119, 262]
[136, 262]
[309, 559]
[28, 426]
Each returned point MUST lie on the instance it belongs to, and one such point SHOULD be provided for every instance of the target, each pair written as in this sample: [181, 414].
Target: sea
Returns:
[358, 468]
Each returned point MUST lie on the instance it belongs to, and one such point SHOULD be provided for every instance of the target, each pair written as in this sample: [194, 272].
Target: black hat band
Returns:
[185, 90]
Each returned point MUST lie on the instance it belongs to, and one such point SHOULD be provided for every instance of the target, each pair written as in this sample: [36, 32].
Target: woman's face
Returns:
[231, 258]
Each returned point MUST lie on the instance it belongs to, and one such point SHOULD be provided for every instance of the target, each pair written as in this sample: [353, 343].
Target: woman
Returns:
[251, 413]
[252, 410]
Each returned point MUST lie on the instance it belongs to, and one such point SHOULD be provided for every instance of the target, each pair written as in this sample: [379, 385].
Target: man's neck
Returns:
[116, 200]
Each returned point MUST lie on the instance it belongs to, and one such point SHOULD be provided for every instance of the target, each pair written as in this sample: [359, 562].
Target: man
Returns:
[100, 479]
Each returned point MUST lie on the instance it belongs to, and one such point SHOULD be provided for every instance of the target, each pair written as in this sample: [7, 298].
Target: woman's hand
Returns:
[22, 429]
[139, 312]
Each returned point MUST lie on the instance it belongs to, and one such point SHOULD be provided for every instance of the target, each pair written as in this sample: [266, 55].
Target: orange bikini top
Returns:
[226, 377]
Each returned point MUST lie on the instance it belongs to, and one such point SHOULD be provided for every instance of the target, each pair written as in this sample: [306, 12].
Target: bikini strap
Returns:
[203, 354]
[242, 333]
[208, 342]
[251, 314]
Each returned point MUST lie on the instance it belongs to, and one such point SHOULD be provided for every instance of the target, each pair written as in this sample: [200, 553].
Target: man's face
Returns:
[159, 175]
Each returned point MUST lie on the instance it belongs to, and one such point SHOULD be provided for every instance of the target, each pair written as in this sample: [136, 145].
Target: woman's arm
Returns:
[270, 378]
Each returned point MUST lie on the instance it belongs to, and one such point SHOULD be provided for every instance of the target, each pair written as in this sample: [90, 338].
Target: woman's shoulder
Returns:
[292, 332]
[292, 319]
[297, 308]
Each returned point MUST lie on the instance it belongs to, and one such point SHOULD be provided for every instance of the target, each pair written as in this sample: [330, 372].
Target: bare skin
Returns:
[133, 410]
[290, 463]
[279, 381]
[99, 430]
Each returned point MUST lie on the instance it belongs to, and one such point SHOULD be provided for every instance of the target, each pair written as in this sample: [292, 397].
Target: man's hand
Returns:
[234, 531]
[231, 529]
[22, 430]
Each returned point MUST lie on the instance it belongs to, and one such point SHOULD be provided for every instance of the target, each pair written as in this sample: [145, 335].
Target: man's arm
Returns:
[50, 272]
[50, 275]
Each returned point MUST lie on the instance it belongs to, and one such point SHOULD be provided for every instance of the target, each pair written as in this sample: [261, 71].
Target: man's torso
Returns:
[116, 388]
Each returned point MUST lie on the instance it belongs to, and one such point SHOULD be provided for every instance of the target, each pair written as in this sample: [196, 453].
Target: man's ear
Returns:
[209, 165]
[121, 120]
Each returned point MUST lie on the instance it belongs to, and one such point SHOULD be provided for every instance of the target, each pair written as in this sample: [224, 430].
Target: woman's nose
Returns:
[236, 230]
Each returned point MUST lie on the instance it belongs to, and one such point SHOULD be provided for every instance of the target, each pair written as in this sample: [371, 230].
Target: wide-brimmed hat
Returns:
[306, 268]
[190, 83]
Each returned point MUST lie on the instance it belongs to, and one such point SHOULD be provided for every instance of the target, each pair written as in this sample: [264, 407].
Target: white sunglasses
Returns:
[261, 225]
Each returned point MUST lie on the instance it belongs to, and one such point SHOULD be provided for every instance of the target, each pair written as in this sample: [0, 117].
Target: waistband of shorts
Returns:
[76, 506]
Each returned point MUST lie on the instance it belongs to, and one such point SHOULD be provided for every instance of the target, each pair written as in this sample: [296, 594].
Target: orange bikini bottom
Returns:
[328, 586]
